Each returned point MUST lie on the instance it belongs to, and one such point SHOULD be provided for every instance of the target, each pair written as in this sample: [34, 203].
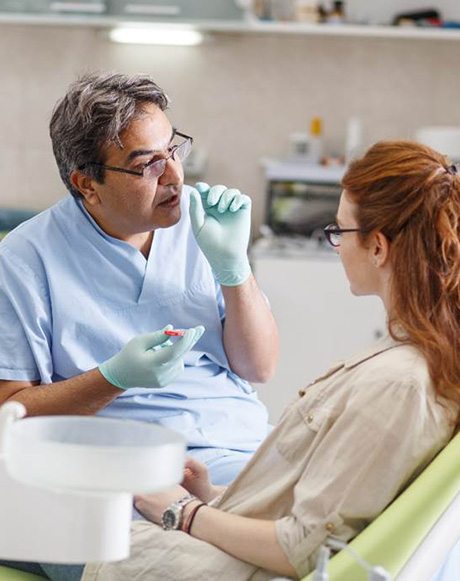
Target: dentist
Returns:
[88, 286]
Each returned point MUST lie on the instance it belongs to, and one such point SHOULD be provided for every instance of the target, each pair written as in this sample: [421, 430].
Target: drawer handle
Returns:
[152, 10]
[94, 7]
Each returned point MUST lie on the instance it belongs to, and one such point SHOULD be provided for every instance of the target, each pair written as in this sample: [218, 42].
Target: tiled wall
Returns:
[239, 95]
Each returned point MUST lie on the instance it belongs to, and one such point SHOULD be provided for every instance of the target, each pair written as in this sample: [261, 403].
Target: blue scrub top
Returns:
[71, 297]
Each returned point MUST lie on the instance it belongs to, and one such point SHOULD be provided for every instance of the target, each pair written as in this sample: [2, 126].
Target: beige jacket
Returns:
[341, 453]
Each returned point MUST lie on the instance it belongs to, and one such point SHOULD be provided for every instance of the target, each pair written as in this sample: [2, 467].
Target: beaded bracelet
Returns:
[188, 524]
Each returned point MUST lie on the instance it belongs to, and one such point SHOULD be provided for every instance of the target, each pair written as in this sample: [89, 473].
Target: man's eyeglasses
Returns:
[333, 233]
[156, 166]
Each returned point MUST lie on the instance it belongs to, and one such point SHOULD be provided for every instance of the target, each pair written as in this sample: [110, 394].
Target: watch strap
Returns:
[177, 509]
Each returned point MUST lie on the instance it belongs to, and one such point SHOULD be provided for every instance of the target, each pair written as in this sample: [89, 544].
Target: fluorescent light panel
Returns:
[152, 35]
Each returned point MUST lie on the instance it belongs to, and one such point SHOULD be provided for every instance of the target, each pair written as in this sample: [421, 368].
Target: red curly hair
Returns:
[411, 194]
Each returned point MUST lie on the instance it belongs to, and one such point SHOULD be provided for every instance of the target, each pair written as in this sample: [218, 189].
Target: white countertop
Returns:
[297, 169]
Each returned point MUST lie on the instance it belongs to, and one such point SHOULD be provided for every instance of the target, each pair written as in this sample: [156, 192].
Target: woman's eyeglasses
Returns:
[333, 233]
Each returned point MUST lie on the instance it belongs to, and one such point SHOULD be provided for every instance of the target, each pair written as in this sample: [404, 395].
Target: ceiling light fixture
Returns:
[153, 35]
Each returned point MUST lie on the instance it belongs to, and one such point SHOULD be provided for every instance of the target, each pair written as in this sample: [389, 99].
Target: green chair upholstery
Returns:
[7, 574]
[392, 538]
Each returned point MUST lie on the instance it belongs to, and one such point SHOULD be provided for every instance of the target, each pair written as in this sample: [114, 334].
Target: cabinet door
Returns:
[319, 321]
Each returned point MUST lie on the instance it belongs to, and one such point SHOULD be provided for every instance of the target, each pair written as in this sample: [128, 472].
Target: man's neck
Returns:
[147, 244]
[142, 240]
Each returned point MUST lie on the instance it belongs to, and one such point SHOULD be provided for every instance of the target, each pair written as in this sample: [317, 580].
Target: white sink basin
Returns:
[93, 454]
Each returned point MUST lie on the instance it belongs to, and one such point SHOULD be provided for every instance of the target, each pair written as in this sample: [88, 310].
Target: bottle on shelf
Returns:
[262, 9]
[282, 10]
[306, 11]
[337, 14]
[353, 138]
[315, 149]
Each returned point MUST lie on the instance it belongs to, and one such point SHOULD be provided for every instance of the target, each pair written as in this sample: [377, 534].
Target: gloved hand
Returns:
[138, 364]
[221, 222]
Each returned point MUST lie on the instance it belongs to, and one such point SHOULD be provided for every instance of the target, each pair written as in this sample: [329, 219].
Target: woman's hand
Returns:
[152, 506]
[196, 481]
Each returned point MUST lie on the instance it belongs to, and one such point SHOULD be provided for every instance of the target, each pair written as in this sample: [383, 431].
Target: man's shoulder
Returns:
[33, 233]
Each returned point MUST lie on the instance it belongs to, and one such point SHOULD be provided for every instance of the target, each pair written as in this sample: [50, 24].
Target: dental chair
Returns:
[413, 536]
[7, 574]
[410, 539]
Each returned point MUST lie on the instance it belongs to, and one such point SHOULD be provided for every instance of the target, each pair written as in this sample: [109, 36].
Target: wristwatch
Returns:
[171, 519]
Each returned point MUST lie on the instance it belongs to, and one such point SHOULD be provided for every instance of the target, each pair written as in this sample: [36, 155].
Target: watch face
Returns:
[169, 519]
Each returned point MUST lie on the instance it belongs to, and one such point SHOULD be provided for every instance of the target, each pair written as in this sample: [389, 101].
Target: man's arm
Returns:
[221, 222]
[250, 332]
[148, 361]
[84, 394]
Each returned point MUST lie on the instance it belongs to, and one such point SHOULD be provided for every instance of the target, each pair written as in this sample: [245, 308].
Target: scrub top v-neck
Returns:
[72, 296]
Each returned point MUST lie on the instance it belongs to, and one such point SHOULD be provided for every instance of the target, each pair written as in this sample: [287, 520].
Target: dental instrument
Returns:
[374, 573]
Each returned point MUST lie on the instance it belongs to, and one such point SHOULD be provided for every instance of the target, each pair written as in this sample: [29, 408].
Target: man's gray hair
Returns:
[93, 113]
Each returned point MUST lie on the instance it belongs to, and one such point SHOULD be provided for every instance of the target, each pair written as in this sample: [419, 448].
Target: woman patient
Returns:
[355, 437]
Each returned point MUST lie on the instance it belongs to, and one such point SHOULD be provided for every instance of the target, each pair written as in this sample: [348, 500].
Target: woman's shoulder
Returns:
[398, 377]
[390, 359]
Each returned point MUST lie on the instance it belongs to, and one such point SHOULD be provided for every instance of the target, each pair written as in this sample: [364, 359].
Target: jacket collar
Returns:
[384, 344]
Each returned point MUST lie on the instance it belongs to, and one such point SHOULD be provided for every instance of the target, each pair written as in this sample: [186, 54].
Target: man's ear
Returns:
[84, 184]
[380, 249]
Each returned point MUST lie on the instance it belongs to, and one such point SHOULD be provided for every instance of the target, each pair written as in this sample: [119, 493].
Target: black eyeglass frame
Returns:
[133, 172]
[331, 229]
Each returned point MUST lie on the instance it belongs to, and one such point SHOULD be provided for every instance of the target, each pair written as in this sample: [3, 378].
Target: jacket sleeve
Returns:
[384, 437]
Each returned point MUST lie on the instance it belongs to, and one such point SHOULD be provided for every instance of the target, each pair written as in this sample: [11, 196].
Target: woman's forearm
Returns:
[247, 539]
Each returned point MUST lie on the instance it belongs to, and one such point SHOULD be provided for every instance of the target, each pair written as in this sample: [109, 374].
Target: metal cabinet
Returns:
[301, 197]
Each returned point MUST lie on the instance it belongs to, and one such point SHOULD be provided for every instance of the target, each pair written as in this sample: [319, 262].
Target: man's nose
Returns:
[173, 173]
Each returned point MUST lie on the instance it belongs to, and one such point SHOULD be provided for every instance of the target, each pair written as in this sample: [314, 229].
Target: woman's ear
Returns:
[84, 184]
[380, 249]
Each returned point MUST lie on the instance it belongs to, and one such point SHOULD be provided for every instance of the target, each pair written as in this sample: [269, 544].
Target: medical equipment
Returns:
[375, 573]
[322, 561]
[174, 333]
[221, 223]
[66, 483]
[140, 364]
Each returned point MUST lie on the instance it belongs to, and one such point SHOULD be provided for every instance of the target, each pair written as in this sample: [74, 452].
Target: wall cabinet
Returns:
[220, 16]
[318, 318]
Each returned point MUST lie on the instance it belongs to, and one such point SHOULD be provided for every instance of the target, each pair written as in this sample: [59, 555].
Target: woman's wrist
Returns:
[214, 492]
[189, 513]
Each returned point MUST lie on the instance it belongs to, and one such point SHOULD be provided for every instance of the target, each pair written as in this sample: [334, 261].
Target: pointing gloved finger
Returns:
[196, 211]
[203, 189]
[241, 201]
[226, 199]
[215, 194]
[180, 347]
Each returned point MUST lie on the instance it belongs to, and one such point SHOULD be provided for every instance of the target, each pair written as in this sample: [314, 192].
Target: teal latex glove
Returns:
[221, 222]
[150, 360]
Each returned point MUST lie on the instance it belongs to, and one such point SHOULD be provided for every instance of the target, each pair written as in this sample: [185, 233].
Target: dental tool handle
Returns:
[379, 574]
[320, 573]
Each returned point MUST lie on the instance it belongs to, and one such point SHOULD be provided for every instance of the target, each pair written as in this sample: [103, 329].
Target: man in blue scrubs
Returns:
[87, 285]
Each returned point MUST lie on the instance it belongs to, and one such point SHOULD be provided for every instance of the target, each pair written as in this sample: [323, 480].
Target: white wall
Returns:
[240, 95]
